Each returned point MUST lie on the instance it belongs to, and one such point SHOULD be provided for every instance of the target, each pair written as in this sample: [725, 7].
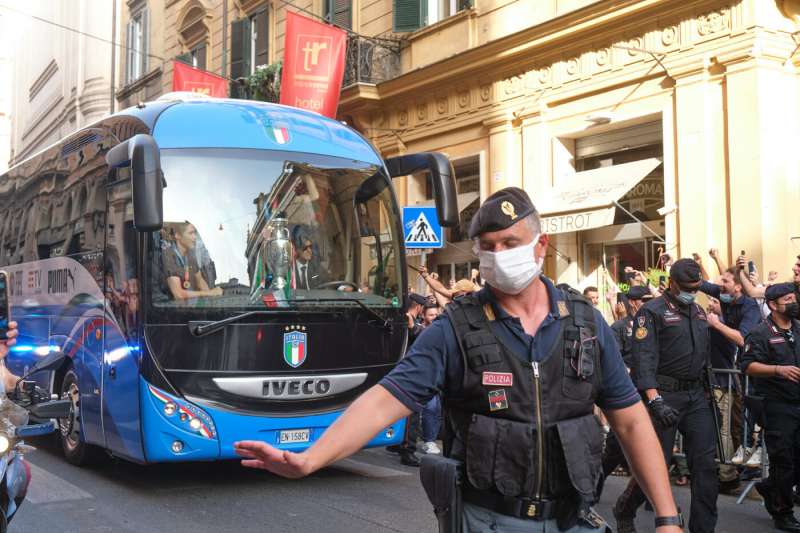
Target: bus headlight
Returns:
[190, 417]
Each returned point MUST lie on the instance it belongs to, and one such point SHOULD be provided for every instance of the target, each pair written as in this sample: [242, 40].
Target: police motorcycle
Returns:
[27, 411]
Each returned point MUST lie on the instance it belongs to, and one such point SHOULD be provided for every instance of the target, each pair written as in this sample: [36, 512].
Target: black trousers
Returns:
[696, 424]
[782, 436]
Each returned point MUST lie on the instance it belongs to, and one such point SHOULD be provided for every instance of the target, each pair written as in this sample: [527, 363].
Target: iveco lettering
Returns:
[225, 270]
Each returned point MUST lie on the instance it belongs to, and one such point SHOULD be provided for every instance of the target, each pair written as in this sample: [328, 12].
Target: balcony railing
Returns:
[371, 60]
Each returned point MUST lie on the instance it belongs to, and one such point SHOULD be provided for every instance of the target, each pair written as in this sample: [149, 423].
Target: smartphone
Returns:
[751, 267]
[620, 297]
[662, 280]
[5, 315]
[742, 253]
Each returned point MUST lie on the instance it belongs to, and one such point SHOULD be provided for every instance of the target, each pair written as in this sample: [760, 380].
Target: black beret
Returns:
[774, 292]
[417, 298]
[501, 210]
[638, 293]
[685, 271]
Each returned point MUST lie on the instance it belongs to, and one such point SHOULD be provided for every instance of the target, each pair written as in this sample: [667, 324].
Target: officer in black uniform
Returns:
[669, 356]
[613, 456]
[772, 356]
[520, 365]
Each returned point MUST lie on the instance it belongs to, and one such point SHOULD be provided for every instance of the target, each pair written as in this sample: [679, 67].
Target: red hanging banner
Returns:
[313, 65]
[187, 78]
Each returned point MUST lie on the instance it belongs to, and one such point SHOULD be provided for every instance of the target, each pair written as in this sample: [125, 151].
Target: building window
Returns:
[197, 55]
[249, 44]
[411, 15]
[137, 45]
[339, 12]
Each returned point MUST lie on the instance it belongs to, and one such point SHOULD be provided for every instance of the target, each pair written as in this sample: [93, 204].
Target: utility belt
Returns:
[670, 384]
[445, 484]
[525, 508]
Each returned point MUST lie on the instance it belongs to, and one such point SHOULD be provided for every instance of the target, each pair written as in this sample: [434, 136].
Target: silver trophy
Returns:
[279, 253]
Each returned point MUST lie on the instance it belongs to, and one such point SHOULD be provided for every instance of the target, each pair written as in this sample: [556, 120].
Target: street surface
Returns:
[369, 492]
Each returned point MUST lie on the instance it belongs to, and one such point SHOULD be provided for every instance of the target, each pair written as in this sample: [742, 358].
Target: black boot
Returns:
[787, 523]
[625, 522]
[409, 459]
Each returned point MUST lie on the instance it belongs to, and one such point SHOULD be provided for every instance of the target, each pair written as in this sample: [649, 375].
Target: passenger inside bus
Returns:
[182, 273]
[308, 271]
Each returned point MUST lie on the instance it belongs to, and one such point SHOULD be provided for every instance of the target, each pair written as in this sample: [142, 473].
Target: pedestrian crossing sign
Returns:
[421, 228]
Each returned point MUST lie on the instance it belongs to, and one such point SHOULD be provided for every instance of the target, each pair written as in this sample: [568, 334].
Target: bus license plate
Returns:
[295, 435]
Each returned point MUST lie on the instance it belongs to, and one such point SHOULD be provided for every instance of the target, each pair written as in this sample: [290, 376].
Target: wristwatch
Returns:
[676, 520]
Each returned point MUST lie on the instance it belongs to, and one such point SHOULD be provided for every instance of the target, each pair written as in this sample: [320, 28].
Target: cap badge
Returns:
[508, 209]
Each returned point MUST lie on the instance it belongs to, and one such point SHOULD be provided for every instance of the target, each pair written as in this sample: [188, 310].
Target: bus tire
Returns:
[76, 450]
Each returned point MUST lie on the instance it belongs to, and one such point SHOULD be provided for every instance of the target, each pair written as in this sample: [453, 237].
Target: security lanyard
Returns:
[182, 263]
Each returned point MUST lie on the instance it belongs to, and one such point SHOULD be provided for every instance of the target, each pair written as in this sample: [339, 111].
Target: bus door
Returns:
[121, 354]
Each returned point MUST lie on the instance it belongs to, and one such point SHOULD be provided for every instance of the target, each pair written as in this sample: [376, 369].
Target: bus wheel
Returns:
[76, 450]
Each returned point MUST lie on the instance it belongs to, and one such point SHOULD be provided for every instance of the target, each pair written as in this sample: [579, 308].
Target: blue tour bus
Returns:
[215, 270]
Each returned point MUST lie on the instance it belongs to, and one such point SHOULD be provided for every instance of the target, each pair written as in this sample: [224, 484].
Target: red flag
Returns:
[313, 65]
[187, 78]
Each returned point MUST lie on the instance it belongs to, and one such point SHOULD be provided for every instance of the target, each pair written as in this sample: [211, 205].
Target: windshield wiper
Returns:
[199, 329]
[384, 323]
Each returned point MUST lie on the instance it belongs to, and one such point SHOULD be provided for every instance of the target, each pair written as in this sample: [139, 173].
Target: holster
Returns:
[441, 478]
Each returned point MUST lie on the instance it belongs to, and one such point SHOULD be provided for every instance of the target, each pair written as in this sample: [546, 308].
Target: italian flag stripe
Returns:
[294, 352]
[281, 135]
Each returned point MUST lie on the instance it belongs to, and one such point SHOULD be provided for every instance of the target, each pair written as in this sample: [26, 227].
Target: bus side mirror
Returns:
[141, 153]
[442, 176]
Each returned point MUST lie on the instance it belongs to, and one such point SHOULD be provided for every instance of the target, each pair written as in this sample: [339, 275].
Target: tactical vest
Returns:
[523, 429]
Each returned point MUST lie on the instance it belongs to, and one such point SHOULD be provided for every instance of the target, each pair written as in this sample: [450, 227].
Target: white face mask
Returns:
[511, 270]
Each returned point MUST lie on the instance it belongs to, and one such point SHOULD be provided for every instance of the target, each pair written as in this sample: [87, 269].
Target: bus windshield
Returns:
[226, 211]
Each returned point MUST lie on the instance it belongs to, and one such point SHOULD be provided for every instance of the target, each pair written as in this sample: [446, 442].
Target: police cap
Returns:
[501, 210]
[638, 293]
[774, 292]
[417, 298]
[685, 271]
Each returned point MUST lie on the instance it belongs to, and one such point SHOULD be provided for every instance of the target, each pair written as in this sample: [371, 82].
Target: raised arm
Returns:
[747, 285]
[366, 417]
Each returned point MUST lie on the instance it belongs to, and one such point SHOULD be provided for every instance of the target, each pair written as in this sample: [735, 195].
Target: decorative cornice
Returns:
[48, 72]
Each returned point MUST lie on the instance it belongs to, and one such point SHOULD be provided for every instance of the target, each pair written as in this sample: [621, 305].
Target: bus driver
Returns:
[182, 273]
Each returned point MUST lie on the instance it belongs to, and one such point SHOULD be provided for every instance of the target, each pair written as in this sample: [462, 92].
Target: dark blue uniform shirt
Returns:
[434, 364]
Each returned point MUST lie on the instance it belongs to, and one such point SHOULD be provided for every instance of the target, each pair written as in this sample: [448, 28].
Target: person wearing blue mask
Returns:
[520, 365]
[669, 355]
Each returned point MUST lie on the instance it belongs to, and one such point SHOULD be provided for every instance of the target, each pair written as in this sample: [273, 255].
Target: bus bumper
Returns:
[170, 434]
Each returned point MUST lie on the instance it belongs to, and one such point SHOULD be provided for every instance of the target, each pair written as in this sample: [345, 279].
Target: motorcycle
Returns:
[28, 411]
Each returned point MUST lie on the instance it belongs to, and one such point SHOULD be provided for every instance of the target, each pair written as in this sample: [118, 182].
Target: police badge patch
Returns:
[641, 321]
[497, 400]
[641, 333]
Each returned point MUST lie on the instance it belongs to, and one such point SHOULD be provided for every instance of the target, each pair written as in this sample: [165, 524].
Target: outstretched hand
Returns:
[265, 457]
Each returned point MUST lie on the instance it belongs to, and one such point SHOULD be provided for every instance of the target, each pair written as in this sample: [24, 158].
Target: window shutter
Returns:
[240, 48]
[343, 13]
[409, 14]
[145, 40]
[130, 56]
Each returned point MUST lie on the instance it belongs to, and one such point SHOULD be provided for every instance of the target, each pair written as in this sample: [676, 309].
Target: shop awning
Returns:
[463, 200]
[587, 200]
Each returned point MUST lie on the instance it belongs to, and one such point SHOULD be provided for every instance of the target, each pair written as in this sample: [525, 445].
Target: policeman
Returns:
[670, 351]
[623, 328]
[613, 455]
[520, 365]
[772, 355]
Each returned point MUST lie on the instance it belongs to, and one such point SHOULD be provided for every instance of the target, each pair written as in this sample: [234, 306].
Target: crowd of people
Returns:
[751, 329]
